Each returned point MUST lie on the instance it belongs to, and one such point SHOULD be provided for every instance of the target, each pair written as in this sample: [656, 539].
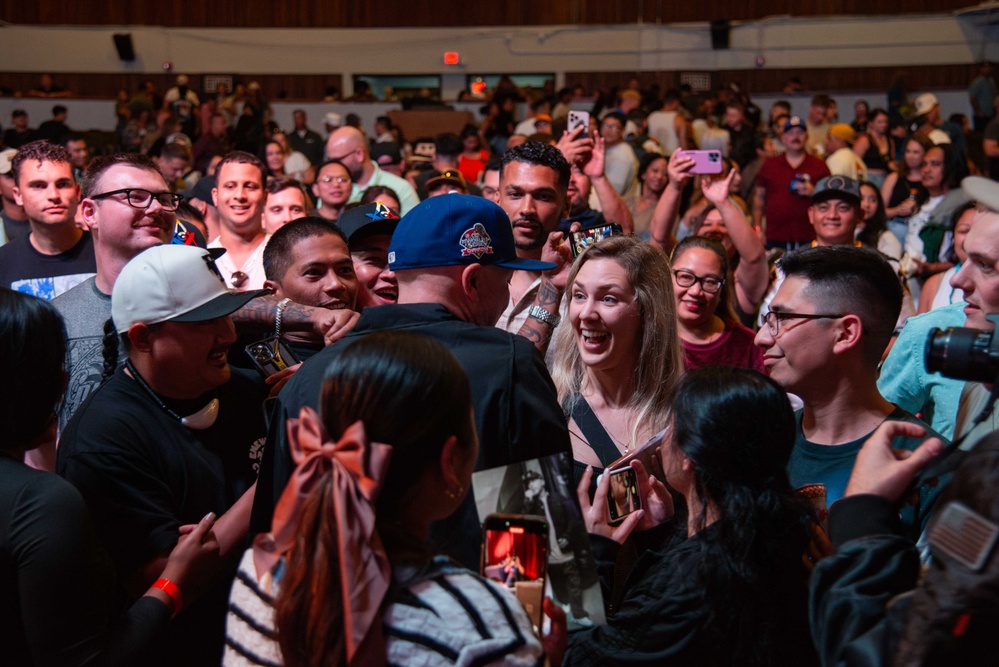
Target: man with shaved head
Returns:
[349, 146]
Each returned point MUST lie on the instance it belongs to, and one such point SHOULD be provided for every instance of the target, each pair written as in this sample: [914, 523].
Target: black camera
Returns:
[963, 353]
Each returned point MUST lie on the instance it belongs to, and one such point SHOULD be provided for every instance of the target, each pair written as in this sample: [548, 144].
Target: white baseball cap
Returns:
[985, 191]
[7, 161]
[925, 103]
[175, 283]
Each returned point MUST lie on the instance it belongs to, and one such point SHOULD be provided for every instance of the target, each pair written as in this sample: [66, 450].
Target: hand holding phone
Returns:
[705, 162]
[271, 355]
[584, 238]
[579, 119]
[623, 497]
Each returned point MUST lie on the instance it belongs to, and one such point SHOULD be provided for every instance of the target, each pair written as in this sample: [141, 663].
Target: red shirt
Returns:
[786, 211]
[734, 347]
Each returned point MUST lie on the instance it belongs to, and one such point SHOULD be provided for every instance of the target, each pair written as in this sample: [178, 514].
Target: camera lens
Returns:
[961, 353]
[262, 353]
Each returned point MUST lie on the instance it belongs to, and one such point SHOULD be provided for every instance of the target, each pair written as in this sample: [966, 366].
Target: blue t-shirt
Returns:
[831, 465]
[905, 381]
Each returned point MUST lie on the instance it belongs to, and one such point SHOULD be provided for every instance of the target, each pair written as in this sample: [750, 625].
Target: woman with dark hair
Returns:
[345, 576]
[872, 603]
[383, 194]
[274, 157]
[709, 329]
[723, 220]
[903, 191]
[652, 180]
[876, 147]
[729, 587]
[873, 231]
[473, 158]
[55, 580]
[938, 177]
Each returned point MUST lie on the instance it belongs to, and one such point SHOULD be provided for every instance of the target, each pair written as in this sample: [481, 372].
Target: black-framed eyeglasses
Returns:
[773, 319]
[143, 199]
[709, 284]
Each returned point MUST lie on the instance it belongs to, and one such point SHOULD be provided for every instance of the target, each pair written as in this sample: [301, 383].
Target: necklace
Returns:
[199, 421]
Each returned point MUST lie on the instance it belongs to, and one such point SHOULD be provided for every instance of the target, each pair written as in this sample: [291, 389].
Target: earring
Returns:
[454, 494]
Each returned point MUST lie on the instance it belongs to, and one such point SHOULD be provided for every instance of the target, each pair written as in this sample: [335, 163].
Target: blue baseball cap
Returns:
[456, 230]
[794, 122]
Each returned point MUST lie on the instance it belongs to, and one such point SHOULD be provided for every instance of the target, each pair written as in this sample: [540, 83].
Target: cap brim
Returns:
[220, 306]
[983, 191]
[519, 264]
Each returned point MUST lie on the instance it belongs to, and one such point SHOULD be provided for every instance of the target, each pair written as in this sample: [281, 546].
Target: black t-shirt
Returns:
[14, 139]
[143, 475]
[24, 269]
[55, 580]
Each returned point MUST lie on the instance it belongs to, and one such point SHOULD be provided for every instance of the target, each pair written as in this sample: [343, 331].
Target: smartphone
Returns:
[271, 355]
[705, 162]
[515, 554]
[647, 453]
[623, 497]
[577, 119]
[587, 236]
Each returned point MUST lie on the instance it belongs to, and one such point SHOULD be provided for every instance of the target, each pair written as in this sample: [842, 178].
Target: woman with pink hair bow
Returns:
[345, 576]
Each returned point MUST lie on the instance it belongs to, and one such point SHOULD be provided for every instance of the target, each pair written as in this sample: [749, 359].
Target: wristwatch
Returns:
[539, 313]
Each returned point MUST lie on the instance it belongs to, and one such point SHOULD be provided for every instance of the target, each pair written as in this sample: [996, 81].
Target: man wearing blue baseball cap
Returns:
[453, 257]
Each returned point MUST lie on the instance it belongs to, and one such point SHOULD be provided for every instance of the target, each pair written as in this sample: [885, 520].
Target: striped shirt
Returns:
[440, 615]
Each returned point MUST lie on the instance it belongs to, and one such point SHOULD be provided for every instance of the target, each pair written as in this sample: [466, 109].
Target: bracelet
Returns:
[170, 588]
[282, 304]
[539, 313]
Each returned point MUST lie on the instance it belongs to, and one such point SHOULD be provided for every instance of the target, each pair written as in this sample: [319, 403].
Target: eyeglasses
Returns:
[773, 319]
[239, 279]
[709, 284]
[143, 199]
[334, 179]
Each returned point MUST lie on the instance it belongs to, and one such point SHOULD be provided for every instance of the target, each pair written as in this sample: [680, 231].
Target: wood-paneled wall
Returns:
[275, 86]
[434, 13]
[773, 80]
[756, 81]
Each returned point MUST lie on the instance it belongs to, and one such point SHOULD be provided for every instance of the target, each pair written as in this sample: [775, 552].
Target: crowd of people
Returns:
[251, 373]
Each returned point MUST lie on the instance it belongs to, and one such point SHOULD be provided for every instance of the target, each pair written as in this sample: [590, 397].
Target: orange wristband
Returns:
[170, 588]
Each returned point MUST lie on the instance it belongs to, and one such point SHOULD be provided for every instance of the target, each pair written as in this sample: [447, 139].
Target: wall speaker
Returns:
[719, 34]
[123, 44]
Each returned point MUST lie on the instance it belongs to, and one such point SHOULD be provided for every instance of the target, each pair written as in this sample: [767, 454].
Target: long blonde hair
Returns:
[660, 358]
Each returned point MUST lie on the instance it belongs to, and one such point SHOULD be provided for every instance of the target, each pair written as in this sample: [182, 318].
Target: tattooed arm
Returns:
[550, 292]
[317, 324]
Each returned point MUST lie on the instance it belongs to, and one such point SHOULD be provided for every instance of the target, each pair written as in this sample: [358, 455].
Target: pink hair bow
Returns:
[358, 468]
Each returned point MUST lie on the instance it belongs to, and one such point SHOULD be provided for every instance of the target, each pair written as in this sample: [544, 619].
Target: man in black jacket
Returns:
[453, 257]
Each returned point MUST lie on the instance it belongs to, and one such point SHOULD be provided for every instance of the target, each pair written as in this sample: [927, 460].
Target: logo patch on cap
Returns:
[382, 212]
[836, 183]
[476, 241]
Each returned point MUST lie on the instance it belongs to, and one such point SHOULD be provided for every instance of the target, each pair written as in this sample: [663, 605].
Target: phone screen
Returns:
[584, 238]
[623, 497]
[515, 554]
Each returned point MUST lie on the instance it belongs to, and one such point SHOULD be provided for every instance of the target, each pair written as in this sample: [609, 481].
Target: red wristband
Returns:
[170, 588]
